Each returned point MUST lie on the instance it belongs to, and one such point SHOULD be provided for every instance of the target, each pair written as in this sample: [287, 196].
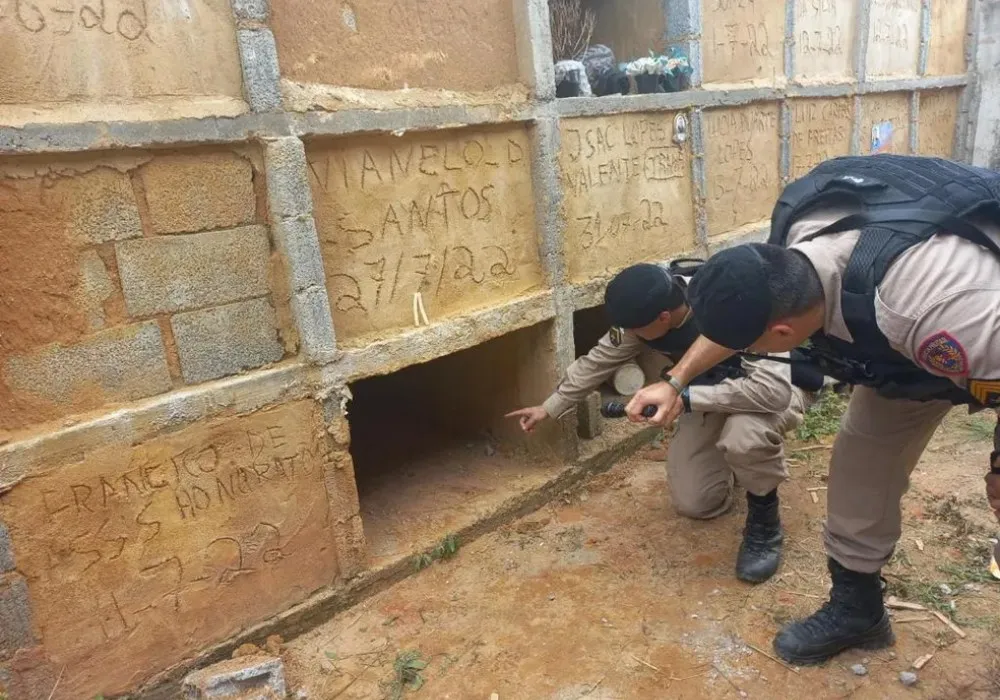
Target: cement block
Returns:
[225, 340]
[298, 242]
[244, 678]
[95, 288]
[119, 364]
[15, 615]
[187, 193]
[288, 192]
[103, 206]
[6, 554]
[311, 309]
[261, 76]
[257, 10]
[588, 414]
[163, 275]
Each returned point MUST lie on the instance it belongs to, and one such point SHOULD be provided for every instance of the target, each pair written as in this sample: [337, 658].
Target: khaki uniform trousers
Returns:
[879, 443]
[709, 450]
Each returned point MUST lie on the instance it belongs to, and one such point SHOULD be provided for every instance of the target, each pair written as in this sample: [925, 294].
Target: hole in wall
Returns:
[613, 47]
[432, 450]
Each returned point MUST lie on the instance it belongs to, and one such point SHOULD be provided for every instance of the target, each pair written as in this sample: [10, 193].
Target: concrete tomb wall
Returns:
[271, 274]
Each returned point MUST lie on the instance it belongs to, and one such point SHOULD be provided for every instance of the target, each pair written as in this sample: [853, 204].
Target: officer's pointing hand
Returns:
[661, 395]
[529, 417]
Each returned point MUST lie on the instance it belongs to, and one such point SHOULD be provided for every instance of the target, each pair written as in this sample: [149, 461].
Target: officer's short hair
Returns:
[741, 290]
[637, 295]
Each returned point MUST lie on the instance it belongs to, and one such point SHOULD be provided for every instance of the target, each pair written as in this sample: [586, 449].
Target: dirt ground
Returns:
[608, 594]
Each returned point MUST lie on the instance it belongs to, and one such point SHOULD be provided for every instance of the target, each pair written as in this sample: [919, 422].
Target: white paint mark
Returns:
[350, 20]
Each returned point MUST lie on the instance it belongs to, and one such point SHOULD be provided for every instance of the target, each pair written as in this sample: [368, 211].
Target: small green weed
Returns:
[978, 428]
[445, 549]
[823, 417]
[406, 673]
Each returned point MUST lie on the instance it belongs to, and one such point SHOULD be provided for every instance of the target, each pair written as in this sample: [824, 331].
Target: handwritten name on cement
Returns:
[820, 130]
[158, 531]
[124, 19]
[742, 165]
[443, 216]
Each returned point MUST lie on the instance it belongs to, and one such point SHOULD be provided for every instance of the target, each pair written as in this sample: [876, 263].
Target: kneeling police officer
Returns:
[735, 414]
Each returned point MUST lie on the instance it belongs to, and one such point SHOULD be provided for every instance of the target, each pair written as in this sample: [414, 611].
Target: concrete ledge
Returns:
[423, 344]
[63, 138]
[401, 120]
[143, 420]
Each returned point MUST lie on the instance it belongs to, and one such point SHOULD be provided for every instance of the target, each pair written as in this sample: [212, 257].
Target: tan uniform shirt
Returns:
[938, 305]
[766, 388]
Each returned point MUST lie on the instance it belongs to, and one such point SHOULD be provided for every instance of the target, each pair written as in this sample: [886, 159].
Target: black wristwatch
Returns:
[686, 399]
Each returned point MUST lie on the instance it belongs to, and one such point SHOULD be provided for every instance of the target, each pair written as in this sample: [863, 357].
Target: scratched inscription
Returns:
[626, 192]
[81, 50]
[742, 151]
[938, 119]
[821, 129]
[824, 38]
[135, 557]
[450, 216]
[890, 113]
[743, 40]
[893, 37]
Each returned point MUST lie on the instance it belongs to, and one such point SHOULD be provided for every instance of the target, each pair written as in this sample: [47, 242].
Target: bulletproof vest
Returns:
[901, 201]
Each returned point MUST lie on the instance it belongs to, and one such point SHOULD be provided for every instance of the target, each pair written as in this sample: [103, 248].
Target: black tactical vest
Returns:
[902, 201]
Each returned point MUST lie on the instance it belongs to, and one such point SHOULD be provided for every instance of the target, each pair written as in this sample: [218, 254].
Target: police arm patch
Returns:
[943, 353]
[985, 391]
[616, 336]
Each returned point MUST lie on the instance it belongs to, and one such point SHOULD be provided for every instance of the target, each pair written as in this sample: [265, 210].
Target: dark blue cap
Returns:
[730, 298]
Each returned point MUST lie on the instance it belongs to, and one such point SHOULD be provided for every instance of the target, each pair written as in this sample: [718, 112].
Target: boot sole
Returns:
[879, 637]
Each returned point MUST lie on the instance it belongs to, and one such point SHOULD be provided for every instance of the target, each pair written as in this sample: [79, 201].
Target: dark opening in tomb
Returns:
[432, 450]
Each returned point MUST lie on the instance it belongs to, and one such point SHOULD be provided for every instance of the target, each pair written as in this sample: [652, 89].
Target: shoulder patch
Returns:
[986, 391]
[617, 336]
[942, 352]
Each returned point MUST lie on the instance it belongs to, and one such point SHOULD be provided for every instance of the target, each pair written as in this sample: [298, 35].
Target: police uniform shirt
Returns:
[766, 388]
[938, 305]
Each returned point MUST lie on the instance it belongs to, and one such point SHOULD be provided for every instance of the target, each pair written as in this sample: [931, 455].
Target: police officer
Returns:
[734, 415]
[890, 265]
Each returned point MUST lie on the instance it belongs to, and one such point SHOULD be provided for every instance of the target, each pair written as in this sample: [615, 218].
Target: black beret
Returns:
[730, 299]
[637, 295]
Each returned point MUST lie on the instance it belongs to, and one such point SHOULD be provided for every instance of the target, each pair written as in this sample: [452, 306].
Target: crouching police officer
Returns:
[734, 418]
[890, 265]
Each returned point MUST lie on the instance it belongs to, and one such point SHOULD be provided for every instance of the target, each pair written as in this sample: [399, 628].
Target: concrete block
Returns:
[588, 414]
[257, 10]
[15, 615]
[244, 678]
[6, 554]
[187, 193]
[261, 76]
[288, 192]
[95, 288]
[225, 340]
[298, 242]
[311, 309]
[163, 275]
[120, 364]
[103, 206]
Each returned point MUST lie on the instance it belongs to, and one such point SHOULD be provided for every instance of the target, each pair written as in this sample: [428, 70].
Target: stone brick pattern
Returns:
[103, 251]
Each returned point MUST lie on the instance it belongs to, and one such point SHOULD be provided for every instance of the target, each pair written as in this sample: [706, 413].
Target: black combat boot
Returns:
[853, 617]
[760, 551]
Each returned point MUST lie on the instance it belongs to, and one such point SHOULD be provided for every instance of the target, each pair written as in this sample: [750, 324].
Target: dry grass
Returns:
[572, 26]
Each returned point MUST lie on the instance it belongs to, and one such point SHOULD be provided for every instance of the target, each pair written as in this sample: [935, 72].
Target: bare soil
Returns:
[608, 594]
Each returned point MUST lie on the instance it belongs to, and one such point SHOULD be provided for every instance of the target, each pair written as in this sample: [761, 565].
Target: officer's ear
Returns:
[781, 329]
